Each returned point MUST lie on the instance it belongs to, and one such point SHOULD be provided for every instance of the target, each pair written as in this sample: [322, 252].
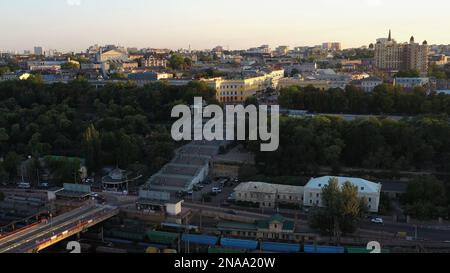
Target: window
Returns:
[362, 188]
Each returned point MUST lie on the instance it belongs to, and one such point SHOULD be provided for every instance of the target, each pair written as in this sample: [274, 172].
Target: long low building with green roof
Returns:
[275, 228]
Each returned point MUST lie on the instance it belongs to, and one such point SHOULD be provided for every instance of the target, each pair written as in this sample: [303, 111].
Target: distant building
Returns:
[238, 90]
[301, 68]
[95, 66]
[368, 190]
[44, 65]
[111, 55]
[391, 56]
[369, 84]
[38, 51]
[144, 78]
[268, 195]
[439, 59]
[332, 46]
[154, 62]
[410, 83]
[282, 51]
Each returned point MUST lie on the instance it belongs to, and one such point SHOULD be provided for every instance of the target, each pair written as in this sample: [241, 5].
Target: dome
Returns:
[425, 42]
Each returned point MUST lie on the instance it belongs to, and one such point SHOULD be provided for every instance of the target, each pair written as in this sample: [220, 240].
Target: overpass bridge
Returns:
[43, 235]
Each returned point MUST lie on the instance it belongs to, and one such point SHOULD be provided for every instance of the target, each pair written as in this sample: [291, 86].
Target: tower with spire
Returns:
[390, 36]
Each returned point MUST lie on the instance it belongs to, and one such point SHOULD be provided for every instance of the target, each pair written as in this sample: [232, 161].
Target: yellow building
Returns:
[238, 90]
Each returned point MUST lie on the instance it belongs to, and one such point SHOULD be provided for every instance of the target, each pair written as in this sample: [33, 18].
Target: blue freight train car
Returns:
[280, 247]
[323, 249]
[200, 239]
[241, 244]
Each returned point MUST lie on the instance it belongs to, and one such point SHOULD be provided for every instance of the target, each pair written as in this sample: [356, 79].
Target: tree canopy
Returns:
[341, 212]
[384, 100]
[119, 124]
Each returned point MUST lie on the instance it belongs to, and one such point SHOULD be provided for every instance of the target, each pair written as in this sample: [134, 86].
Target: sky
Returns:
[74, 25]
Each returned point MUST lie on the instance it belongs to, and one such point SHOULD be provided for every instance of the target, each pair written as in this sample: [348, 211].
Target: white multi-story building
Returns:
[370, 191]
[271, 195]
[369, 84]
[412, 82]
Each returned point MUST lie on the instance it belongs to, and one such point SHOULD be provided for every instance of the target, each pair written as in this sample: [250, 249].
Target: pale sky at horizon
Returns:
[239, 24]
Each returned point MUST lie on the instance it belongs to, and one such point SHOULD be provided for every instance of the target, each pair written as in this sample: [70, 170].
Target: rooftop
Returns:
[268, 188]
[363, 185]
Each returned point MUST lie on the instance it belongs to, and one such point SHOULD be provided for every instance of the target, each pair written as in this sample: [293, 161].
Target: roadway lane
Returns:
[424, 233]
[43, 226]
[28, 239]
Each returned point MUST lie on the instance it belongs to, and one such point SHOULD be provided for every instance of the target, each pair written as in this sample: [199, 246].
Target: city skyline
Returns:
[74, 25]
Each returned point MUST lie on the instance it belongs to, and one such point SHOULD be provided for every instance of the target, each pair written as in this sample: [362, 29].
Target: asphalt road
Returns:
[28, 239]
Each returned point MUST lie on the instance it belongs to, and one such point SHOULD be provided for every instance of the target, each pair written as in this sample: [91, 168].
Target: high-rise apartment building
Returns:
[38, 51]
[392, 56]
[332, 46]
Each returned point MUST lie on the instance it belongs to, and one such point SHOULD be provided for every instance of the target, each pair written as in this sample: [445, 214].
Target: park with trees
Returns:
[384, 100]
[118, 125]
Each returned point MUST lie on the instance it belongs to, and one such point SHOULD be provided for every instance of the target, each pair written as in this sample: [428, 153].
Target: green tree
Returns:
[426, 198]
[341, 212]
[178, 62]
[408, 74]
[92, 147]
[70, 66]
[4, 70]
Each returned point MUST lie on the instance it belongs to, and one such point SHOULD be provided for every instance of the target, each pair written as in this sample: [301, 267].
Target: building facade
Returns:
[238, 90]
[392, 56]
[368, 190]
[268, 195]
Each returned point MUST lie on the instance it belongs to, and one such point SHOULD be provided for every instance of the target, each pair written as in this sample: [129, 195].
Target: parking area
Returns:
[215, 191]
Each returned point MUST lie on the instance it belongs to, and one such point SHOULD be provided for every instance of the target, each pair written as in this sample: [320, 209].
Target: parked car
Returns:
[216, 190]
[378, 221]
[43, 185]
[231, 197]
[24, 185]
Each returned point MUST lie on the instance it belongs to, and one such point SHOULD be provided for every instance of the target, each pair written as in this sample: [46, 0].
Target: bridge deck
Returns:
[59, 228]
